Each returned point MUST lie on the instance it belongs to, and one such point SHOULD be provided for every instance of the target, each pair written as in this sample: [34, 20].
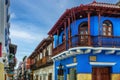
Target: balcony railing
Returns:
[39, 63]
[87, 40]
[59, 48]
[33, 66]
[42, 62]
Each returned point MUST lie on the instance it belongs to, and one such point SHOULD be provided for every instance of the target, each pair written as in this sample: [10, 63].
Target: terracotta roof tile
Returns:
[98, 4]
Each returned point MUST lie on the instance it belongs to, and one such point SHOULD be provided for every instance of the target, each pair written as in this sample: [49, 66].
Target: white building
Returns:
[4, 37]
[4, 26]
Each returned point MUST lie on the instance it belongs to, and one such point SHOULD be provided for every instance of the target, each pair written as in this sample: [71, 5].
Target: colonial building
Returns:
[41, 62]
[86, 44]
[118, 3]
[4, 36]
[11, 61]
[19, 71]
[24, 69]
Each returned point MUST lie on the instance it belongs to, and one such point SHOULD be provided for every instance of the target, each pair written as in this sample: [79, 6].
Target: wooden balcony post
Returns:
[65, 34]
[69, 33]
[58, 37]
[99, 30]
[89, 38]
[52, 46]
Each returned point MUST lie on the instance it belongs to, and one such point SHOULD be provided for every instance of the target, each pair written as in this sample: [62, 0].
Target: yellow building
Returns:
[1, 71]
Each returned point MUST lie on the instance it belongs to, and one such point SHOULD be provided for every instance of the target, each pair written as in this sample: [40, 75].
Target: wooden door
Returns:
[101, 73]
[50, 76]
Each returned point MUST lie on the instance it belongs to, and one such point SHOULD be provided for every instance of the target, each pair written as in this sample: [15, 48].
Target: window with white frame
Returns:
[107, 28]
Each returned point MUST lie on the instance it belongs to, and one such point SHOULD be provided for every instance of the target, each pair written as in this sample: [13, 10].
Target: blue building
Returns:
[86, 43]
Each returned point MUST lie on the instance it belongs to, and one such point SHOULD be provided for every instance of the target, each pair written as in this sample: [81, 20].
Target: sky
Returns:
[31, 20]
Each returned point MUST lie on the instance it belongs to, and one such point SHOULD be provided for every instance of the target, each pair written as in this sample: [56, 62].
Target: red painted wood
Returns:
[89, 39]
[101, 73]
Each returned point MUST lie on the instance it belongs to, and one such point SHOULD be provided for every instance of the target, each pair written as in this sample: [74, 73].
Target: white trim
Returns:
[79, 50]
[106, 48]
[97, 51]
[86, 47]
[53, 77]
[58, 67]
[110, 52]
[60, 54]
[70, 65]
[87, 51]
[103, 63]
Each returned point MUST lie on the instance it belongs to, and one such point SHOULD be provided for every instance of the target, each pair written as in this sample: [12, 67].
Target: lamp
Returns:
[60, 66]
[60, 70]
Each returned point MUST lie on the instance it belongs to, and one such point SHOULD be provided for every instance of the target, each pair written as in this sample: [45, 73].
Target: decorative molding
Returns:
[85, 50]
[78, 51]
[96, 51]
[103, 63]
[70, 65]
[110, 52]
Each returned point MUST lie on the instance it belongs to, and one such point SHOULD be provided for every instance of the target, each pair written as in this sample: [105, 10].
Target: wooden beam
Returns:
[65, 33]
[58, 36]
[89, 38]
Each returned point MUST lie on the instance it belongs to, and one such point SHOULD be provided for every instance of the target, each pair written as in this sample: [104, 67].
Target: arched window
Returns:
[107, 28]
[83, 28]
[83, 33]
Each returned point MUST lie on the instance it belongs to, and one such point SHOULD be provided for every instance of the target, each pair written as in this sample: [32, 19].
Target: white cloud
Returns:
[29, 33]
[13, 16]
[22, 35]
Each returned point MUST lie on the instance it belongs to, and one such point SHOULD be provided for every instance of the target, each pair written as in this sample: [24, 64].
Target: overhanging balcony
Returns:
[59, 48]
[87, 40]
[33, 66]
[42, 62]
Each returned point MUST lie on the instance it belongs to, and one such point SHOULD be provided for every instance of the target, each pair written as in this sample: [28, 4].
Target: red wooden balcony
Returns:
[42, 62]
[39, 63]
[59, 48]
[87, 40]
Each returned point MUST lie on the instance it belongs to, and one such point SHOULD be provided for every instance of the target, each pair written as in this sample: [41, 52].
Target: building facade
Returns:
[4, 26]
[4, 36]
[86, 44]
[19, 71]
[12, 60]
[41, 62]
[118, 3]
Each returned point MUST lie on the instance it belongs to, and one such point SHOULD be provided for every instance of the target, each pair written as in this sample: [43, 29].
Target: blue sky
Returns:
[32, 19]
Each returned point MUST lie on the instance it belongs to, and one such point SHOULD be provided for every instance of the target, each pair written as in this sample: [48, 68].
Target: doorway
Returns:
[101, 73]
[72, 75]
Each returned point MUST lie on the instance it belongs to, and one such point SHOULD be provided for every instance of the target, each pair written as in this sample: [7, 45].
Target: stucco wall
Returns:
[84, 66]
[84, 77]
[1, 71]
[43, 71]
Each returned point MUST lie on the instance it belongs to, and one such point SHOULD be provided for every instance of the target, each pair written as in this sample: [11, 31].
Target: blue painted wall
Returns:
[84, 66]
[83, 59]
[93, 30]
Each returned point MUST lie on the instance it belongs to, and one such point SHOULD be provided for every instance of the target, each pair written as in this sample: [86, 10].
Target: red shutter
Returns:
[0, 50]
